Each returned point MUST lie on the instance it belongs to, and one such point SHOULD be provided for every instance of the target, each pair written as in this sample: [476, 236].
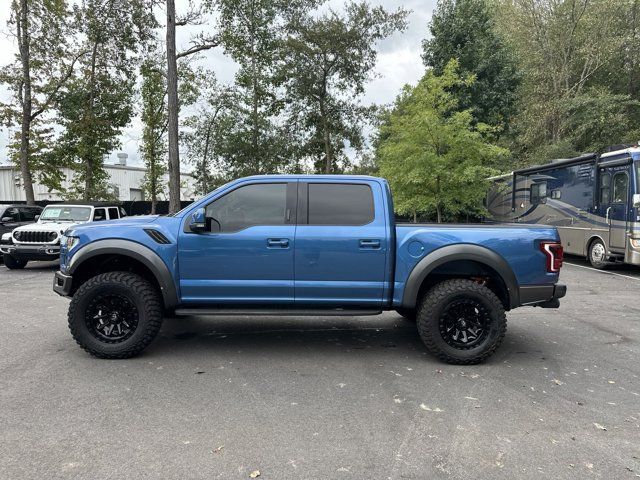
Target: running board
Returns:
[334, 312]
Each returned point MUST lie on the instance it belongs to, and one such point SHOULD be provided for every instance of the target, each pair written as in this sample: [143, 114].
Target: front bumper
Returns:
[31, 252]
[545, 296]
[62, 284]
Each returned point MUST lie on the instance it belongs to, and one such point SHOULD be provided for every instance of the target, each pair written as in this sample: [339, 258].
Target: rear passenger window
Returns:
[113, 213]
[340, 204]
[605, 188]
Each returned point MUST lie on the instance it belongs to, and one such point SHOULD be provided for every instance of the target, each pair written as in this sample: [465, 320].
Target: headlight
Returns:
[69, 242]
[635, 242]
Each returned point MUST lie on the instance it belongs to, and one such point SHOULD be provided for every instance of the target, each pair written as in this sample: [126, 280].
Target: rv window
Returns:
[620, 187]
[556, 194]
[538, 193]
[605, 188]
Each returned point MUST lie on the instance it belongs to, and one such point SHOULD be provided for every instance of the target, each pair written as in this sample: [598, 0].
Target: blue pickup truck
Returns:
[304, 245]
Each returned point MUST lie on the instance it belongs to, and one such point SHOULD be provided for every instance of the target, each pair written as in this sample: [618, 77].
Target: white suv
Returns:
[41, 240]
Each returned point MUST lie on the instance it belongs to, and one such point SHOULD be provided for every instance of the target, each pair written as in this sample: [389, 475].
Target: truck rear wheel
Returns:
[115, 315]
[13, 263]
[461, 322]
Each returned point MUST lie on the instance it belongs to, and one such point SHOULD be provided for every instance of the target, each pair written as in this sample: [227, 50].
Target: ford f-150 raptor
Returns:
[300, 245]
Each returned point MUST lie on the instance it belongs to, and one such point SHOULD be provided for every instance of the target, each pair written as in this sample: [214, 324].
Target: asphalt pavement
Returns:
[324, 397]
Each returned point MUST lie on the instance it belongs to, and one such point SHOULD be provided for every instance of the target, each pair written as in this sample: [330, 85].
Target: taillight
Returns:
[554, 253]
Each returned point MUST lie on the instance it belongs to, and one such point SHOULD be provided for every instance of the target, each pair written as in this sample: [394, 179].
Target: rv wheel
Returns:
[598, 255]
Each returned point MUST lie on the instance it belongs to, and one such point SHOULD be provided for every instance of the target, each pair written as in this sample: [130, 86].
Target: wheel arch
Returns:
[114, 254]
[593, 238]
[452, 261]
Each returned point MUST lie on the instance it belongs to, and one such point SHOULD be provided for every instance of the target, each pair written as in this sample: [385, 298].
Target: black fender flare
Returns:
[461, 251]
[136, 251]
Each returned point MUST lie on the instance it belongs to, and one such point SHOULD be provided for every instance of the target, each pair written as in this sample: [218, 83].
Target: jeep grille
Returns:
[35, 237]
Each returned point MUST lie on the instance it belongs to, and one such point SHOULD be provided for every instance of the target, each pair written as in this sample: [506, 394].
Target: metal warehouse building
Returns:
[126, 181]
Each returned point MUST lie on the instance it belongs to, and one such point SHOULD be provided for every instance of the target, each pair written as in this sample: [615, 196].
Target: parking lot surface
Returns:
[324, 398]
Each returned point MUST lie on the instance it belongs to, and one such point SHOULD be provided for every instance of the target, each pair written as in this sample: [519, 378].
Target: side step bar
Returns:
[339, 312]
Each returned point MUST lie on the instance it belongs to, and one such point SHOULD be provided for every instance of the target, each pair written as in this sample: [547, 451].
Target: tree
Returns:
[207, 139]
[199, 43]
[329, 59]
[154, 118]
[251, 32]
[464, 30]
[563, 49]
[431, 152]
[96, 104]
[44, 63]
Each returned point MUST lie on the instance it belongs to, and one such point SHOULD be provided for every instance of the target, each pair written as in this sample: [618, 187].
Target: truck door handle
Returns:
[607, 215]
[277, 243]
[370, 244]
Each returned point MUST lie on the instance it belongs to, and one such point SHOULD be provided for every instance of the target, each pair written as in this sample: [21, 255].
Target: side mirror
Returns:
[636, 199]
[6, 220]
[198, 221]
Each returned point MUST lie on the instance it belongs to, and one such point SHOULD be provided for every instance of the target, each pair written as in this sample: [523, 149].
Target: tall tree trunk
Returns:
[438, 206]
[327, 140]
[172, 107]
[24, 40]
[89, 186]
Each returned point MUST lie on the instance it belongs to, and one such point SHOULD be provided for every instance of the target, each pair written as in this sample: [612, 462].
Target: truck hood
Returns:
[123, 222]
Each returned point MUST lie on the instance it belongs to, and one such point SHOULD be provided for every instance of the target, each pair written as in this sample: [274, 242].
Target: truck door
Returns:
[614, 203]
[341, 244]
[246, 256]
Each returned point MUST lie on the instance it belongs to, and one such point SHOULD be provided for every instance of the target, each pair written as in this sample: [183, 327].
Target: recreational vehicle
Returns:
[593, 200]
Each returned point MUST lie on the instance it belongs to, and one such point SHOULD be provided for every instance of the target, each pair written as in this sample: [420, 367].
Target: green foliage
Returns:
[464, 30]
[329, 59]
[154, 119]
[97, 103]
[432, 154]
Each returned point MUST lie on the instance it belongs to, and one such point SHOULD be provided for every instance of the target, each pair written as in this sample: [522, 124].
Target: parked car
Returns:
[41, 240]
[299, 245]
[12, 216]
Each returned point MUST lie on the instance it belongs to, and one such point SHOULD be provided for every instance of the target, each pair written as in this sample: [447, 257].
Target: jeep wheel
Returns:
[461, 322]
[13, 263]
[598, 255]
[407, 313]
[115, 315]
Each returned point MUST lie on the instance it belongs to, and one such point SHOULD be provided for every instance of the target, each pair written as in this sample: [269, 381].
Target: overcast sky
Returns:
[398, 63]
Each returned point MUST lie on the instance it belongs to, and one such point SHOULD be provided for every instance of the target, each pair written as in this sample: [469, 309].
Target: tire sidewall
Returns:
[82, 332]
[429, 322]
[596, 264]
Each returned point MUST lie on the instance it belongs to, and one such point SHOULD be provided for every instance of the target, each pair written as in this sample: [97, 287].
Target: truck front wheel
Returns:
[13, 263]
[115, 315]
[461, 322]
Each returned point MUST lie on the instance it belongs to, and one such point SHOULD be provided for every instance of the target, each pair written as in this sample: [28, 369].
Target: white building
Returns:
[126, 181]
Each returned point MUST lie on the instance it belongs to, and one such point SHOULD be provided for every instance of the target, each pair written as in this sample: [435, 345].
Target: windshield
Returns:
[65, 214]
[177, 214]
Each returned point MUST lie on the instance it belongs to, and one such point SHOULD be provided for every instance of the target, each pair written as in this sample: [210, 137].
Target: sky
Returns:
[398, 63]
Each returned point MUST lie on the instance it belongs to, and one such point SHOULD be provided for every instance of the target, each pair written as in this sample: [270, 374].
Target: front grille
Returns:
[35, 237]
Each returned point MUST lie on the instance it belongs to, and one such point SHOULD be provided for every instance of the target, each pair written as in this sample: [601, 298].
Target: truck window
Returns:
[340, 204]
[620, 187]
[605, 188]
[99, 214]
[113, 213]
[538, 193]
[248, 206]
[11, 213]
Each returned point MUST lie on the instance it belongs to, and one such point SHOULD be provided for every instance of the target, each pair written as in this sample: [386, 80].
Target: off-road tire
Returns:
[13, 263]
[600, 265]
[407, 313]
[136, 289]
[433, 305]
